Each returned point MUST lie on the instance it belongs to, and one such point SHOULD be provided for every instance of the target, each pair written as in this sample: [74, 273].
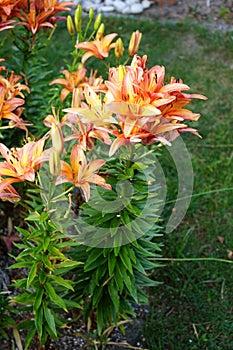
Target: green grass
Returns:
[192, 308]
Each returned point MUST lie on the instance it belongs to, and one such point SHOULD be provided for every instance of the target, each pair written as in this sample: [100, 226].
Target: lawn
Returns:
[192, 307]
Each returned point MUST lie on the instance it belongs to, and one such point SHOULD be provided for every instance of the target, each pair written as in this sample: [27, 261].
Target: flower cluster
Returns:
[12, 98]
[134, 104]
[32, 14]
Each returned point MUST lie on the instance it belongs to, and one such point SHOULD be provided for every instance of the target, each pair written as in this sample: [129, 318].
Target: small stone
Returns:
[106, 8]
[125, 10]
[132, 2]
[146, 4]
[136, 8]
[108, 3]
[119, 5]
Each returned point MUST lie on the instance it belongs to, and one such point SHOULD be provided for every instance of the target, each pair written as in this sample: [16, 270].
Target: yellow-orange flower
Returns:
[81, 173]
[71, 81]
[98, 48]
[35, 14]
[7, 191]
[20, 163]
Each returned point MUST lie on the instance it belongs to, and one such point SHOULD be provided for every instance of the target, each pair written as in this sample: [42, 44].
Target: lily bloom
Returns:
[134, 43]
[7, 191]
[20, 163]
[36, 14]
[71, 81]
[98, 48]
[94, 111]
[81, 173]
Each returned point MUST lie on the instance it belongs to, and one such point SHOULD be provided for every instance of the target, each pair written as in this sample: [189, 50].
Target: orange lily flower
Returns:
[94, 111]
[7, 192]
[144, 104]
[134, 43]
[98, 48]
[20, 163]
[86, 134]
[71, 81]
[6, 7]
[35, 14]
[81, 173]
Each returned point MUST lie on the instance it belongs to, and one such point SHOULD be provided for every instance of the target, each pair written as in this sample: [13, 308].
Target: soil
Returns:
[217, 14]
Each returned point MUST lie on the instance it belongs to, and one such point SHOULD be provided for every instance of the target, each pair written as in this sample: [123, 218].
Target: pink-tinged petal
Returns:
[129, 124]
[29, 176]
[117, 143]
[86, 190]
[202, 97]
[93, 167]
[77, 160]
[183, 114]
[64, 93]
[100, 181]
[6, 170]
[87, 55]
[174, 87]
[6, 153]
[167, 127]
[163, 101]
[193, 131]
[60, 81]
[25, 154]
[129, 109]
[66, 171]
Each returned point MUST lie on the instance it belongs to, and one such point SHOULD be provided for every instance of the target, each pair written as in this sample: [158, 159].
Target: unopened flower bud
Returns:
[100, 32]
[78, 18]
[121, 72]
[91, 13]
[97, 21]
[134, 43]
[119, 48]
[54, 163]
[70, 25]
[57, 138]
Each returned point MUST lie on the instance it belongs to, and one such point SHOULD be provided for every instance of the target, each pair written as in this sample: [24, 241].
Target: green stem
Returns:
[192, 259]
[200, 194]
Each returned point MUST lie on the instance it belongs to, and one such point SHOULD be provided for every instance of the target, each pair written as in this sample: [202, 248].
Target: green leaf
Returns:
[38, 298]
[111, 263]
[43, 217]
[32, 273]
[92, 262]
[113, 292]
[119, 280]
[97, 294]
[30, 335]
[50, 319]
[21, 265]
[54, 297]
[46, 243]
[61, 281]
[125, 258]
[39, 321]
[24, 298]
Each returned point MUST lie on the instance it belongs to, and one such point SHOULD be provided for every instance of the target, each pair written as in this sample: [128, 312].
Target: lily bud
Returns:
[57, 138]
[70, 25]
[119, 48]
[91, 13]
[100, 32]
[97, 21]
[121, 72]
[78, 18]
[54, 163]
[134, 43]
